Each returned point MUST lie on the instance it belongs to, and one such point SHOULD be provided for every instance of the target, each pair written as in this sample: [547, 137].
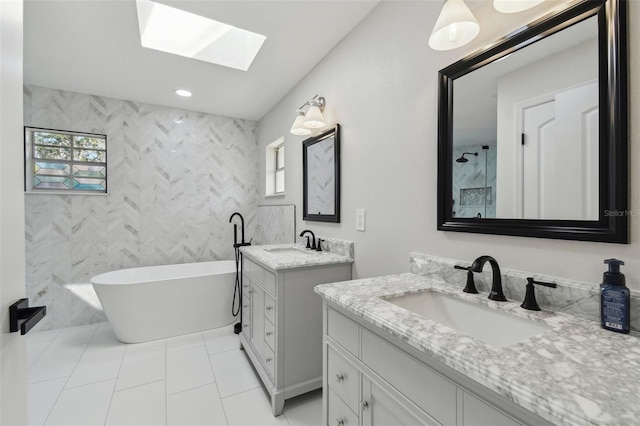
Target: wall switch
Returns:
[360, 220]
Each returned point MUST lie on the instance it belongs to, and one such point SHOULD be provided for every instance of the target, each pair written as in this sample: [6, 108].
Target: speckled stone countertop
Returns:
[574, 374]
[285, 260]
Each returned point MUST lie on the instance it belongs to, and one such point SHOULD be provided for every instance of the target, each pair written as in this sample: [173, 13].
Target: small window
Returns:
[58, 160]
[274, 168]
[279, 169]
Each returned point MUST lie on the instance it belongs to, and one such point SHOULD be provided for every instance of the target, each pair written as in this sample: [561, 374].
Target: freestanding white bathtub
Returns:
[156, 302]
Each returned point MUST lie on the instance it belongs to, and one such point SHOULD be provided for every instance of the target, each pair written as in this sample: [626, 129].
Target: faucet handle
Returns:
[530, 302]
[319, 247]
[470, 286]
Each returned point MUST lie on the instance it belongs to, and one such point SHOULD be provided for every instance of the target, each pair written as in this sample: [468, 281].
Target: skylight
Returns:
[183, 33]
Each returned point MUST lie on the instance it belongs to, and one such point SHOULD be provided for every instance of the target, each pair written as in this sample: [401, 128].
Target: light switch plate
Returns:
[360, 220]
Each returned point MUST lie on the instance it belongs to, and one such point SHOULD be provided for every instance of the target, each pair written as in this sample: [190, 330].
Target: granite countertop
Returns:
[285, 259]
[574, 374]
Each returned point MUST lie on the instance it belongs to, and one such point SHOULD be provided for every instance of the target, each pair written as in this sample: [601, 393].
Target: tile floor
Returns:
[84, 376]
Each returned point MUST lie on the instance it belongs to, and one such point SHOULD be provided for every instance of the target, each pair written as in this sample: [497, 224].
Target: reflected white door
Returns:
[13, 357]
[560, 156]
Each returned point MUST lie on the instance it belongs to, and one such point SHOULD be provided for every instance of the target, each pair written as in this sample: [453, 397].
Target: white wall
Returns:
[13, 354]
[380, 84]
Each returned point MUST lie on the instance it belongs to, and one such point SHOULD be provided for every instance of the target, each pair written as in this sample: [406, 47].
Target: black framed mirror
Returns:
[532, 132]
[321, 176]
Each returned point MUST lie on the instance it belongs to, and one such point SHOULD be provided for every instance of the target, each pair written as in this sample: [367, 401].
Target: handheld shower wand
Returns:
[237, 292]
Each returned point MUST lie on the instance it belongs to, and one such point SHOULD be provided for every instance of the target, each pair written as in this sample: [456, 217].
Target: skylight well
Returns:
[186, 34]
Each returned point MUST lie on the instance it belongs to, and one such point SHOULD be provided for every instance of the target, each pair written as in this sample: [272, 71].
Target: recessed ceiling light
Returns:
[183, 92]
[183, 33]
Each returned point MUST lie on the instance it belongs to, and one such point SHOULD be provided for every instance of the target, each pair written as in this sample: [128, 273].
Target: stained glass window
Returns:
[65, 161]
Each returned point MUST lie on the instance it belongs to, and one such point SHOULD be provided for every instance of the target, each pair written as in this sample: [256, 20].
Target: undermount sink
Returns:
[288, 251]
[481, 322]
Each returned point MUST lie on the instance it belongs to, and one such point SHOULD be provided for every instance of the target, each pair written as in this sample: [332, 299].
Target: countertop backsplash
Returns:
[332, 245]
[577, 298]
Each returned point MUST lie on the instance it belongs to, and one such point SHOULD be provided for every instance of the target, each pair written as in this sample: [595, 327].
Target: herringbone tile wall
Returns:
[172, 188]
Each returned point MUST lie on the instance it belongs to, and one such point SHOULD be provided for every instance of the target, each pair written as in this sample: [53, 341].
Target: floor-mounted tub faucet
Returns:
[313, 244]
[237, 244]
[496, 285]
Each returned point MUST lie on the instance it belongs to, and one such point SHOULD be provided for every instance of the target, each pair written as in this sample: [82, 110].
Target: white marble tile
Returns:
[259, 414]
[201, 406]
[82, 406]
[164, 206]
[141, 405]
[276, 225]
[57, 361]
[188, 369]
[233, 372]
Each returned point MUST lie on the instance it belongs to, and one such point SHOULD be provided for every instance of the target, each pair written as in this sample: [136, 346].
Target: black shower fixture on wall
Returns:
[462, 159]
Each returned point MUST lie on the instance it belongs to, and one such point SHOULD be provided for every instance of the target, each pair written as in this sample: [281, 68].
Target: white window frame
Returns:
[272, 166]
[29, 172]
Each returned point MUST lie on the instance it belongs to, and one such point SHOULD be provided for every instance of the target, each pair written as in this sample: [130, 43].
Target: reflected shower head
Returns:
[464, 160]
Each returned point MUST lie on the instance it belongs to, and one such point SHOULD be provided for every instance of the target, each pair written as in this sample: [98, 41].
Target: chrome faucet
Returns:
[313, 245]
[496, 285]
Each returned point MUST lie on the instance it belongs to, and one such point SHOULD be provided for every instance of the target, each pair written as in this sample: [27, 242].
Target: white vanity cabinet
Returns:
[282, 325]
[370, 381]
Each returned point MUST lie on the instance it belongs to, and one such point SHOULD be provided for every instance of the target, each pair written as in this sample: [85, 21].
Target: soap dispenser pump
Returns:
[614, 299]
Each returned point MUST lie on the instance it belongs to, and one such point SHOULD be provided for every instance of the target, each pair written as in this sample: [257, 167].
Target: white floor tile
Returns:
[41, 398]
[142, 405]
[42, 336]
[34, 350]
[233, 372]
[251, 408]
[147, 347]
[96, 365]
[187, 341]
[105, 338]
[78, 335]
[83, 406]
[196, 407]
[58, 360]
[142, 365]
[304, 410]
[188, 369]
[221, 340]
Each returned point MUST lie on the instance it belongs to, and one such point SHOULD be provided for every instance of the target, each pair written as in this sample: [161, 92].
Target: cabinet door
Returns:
[380, 408]
[479, 413]
[257, 318]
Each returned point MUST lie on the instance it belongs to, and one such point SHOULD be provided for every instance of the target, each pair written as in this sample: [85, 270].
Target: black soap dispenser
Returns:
[614, 299]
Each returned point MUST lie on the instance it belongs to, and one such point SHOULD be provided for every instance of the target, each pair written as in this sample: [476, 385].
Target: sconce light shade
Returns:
[513, 6]
[314, 118]
[298, 127]
[455, 27]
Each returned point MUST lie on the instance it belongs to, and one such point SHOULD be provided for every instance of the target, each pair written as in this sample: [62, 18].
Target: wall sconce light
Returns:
[513, 6]
[455, 27]
[312, 119]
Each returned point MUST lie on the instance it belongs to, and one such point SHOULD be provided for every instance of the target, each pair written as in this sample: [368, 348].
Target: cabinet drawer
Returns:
[253, 270]
[269, 281]
[270, 334]
[269, 360]
[343, 331]
[342, 377]
[426, 388]
[269, 308]
[339, 413]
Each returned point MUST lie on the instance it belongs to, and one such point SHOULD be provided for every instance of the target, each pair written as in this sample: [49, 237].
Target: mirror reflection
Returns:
[526, 132]
[321, 176]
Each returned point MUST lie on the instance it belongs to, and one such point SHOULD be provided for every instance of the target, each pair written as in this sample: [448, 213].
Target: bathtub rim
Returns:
[99, 279]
